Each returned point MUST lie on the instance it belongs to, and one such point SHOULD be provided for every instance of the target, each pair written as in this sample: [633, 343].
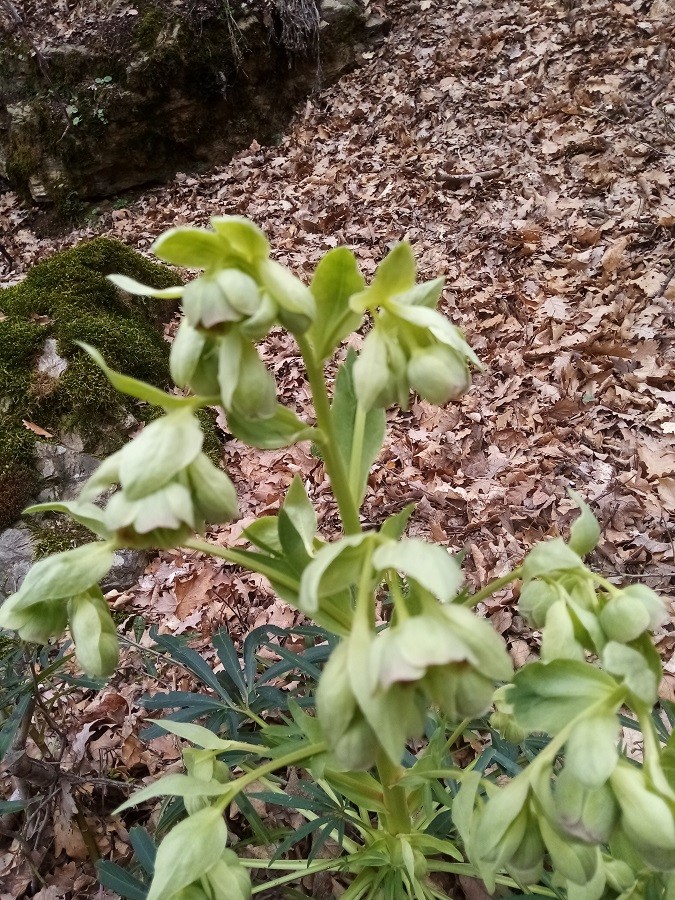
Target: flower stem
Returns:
[244, 559]
[398, 816]
[457, 733]
[296, 869]
[281, 762]
[327, 438]
[493, 586]
[357, 450]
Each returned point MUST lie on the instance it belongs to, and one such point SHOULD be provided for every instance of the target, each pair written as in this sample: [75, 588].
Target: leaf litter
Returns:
[527, 150]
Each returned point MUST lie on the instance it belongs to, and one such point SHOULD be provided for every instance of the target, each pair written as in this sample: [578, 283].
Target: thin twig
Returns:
[455, 179]
[664, 287]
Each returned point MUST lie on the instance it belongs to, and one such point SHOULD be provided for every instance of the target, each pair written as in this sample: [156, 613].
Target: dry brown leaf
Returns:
[612, 258]
[36, 429]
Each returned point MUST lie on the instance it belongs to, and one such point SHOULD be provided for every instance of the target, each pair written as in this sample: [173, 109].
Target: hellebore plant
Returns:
[579, 819]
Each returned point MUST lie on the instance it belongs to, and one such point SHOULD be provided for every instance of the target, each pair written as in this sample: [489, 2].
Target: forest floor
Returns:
[526, 148]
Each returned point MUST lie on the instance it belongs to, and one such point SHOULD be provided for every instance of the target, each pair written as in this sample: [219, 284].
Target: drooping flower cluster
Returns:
[60, 590]
[411, 346]
[598, 798]
[376, 688]
[241, 294]
[167, 488]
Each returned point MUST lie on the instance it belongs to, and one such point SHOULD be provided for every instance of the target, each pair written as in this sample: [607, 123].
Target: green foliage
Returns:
[570, 819]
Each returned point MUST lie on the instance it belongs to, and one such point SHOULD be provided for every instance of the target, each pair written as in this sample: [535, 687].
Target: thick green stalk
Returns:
[398, 816]
[357, 450]
[327, 438]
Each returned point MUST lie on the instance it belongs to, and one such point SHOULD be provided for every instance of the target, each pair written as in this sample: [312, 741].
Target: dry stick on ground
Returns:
[9, 821]
[455, 179]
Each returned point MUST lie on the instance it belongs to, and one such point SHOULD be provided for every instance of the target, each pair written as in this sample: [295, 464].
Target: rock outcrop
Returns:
[134, 99]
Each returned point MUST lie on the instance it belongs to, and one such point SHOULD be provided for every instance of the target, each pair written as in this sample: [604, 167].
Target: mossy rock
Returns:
[64, 299]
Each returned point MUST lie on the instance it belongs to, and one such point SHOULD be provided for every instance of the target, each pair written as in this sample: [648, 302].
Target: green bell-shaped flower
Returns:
[168, 489]
[37, 623]
[94, 633]
[632, 611]
[352, 741]
[589, 815]
[438, 374]
[454, 656]
[37, 611]
[227, 879]
[647, 817]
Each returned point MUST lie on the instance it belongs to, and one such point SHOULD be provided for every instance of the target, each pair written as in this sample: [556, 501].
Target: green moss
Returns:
[149, 28]
[212, 446]
[53, 533]
[16, 489]
[68, 298]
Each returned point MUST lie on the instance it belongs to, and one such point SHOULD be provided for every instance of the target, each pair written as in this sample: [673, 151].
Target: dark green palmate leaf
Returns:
[120, 881]
[11, 725]
[144, 848]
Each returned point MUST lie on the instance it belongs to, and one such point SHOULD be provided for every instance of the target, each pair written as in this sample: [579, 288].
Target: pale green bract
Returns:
[188, 852]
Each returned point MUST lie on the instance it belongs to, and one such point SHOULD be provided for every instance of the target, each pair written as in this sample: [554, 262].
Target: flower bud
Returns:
[228, 879]
[577, 862]
[658, 614]
[535, 600]
[587, 815]
[351, 739]
[240, 291]
[620, 877]
[502, 823]
[255, 395]
[187, 853]
[255, 327]
[623, 619]
[193, 360]
[213, 494]
[646, 818]
[527, 861]
[559, 639]
[94, 633]
[438, 374]
[37, 623]
[631, 612]
[459, 691]
[297, 308]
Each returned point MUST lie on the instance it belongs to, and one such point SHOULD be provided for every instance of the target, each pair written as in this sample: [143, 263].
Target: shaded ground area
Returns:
[527, 149]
